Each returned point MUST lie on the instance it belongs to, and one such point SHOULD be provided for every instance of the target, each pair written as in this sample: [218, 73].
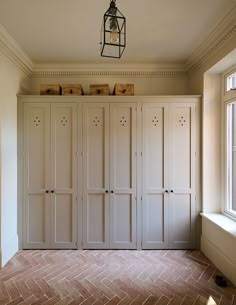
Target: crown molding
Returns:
[222, 33]
[119, 67]
[70, 74]
[98, 70]
[10, 48]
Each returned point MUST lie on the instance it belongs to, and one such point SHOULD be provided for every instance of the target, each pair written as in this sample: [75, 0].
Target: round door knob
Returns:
[52, 191]
[47, 191]
[172, 191]
[106, 191]
[166, 191]
[112, 192]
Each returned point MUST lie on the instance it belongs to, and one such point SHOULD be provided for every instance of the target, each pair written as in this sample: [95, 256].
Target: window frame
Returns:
[227, 94]
[229, 97]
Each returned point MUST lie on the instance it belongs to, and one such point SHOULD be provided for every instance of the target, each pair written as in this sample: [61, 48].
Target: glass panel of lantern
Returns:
[113, 33]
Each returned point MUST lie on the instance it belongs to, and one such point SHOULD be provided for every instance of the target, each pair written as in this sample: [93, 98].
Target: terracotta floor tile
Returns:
[110, 277]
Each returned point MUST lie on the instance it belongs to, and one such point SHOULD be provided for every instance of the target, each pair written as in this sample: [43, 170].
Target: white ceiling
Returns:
[68, 31]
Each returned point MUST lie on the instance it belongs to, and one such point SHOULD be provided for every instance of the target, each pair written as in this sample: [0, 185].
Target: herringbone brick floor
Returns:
[111, 277]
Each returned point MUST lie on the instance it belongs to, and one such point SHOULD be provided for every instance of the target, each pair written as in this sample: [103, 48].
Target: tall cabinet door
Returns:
[95, 176]
[182, 175]
[123, 176]
[63, 188]
[36, 208]
[155, 201]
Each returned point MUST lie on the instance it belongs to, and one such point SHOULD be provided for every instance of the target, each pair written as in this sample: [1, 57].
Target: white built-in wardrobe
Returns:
[108, 172]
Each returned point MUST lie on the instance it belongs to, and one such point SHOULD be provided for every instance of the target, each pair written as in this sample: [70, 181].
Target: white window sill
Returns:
[225, 223]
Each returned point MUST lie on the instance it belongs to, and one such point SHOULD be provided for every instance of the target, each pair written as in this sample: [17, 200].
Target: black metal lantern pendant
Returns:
[113, 32]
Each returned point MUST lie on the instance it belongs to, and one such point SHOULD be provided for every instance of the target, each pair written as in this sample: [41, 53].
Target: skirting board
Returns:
[222, 262]
[8, 250]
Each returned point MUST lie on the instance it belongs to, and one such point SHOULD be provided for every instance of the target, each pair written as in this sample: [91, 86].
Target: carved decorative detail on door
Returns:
[37, 121]
[155, 121]
[64, 121]
[182, 121]
[96, 121]
[123, 121]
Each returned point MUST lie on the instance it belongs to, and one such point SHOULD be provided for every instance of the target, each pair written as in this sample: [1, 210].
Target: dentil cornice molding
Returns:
[10, 48]
[222, 33]
[98, 70]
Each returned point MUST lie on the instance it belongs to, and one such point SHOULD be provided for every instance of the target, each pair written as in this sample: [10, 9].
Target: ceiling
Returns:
[68, 31]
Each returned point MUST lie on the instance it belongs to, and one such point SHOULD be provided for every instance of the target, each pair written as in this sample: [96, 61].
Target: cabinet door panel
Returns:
[95, 176]
[155, 176]
[96, 148]
[181, 222]
[123, 176]
[96, 206]
[63, 219]
[181, 143]
[63, 175]
[36, 208]
[182, 176]
[122, 218]
[155, 209]
[121, 146]
[63, 144]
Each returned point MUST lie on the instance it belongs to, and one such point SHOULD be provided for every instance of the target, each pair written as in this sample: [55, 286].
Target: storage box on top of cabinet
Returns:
[124, 89]
[99, 89]
[46, 89]
[72, 89]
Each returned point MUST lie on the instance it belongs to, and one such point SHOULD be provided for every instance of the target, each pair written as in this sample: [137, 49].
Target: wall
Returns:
[211, 143]
[13, 81]
[212, 59]
[217, 243]
[144, 85]
[0, 177]
[206, 81]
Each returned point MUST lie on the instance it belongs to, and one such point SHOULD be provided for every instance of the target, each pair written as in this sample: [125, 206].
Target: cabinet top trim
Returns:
[104, 96]
[110, 98]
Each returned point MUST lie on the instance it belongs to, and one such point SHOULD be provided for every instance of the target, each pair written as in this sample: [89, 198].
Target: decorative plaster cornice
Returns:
[10, 48]
[98, 67]
[93, 71]
[222, 33]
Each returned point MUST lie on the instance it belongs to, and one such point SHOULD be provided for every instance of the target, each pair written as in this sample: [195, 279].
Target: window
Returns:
[231, 159]
[231, 82]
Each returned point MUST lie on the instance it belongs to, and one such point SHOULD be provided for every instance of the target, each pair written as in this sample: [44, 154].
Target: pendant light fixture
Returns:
[113, 32]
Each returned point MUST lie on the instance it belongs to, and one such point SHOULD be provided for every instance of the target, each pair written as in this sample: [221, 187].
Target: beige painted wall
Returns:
[196, 81]
[219, 245]
[207, 82]
[196, 78]
[211, 143]
[12, 81]
[216, 243]
[0, 196]
[155, 85]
